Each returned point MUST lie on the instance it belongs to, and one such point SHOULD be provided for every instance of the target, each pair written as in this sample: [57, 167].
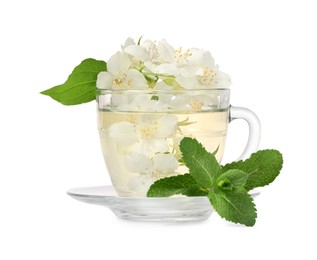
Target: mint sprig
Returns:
[225, 186]
[80, 87]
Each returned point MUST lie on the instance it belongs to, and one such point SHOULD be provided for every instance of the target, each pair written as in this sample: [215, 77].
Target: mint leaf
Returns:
[237, 207]
[203, 166]
[232, 180]
[180, 184]
[80, 87]
[262, 168]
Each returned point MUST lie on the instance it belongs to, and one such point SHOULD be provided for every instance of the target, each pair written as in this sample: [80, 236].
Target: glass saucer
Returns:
[172, 209]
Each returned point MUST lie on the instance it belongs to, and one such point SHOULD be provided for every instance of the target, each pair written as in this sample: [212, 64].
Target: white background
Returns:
[267, 47]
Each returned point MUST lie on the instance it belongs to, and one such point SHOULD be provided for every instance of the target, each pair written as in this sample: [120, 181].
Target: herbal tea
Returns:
[140, 148]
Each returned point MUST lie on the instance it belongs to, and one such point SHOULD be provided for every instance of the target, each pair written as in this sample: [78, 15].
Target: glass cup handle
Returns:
[254, 129]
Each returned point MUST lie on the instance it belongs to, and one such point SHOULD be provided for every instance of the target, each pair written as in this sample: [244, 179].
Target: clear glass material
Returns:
[140, 132]
[173, 209]
[254, 129]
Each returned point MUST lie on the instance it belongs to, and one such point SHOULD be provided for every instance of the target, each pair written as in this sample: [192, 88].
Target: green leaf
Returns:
[155, 98]
[180, 184]
[232, 179]
[80, 87]
[262, 168]
[237, 207]
[151, 80]
[172, 82]
[202, 165]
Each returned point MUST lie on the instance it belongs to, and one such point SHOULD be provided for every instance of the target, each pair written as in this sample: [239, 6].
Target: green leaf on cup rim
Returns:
[80, 87]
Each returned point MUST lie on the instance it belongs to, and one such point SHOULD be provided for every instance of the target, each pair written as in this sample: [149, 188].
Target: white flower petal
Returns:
[166, 126]
[127, 43]
[201, 58]
[180, 103]
[158, 145]
[138, 52]
[137, 79]
[167, 52]
[138, 163]
[222, 80]
[119, 63]
[149, 45]
[161, 85]
[140, 184]
[199, 72]
[202, 102]
[104, 80]
[140, 98]
[119, 99]
[151, 146]
[189, 71]
[187, 82]
[153, 52]
[145, 102]
[124, 133]
[165, 163]
[167, 69]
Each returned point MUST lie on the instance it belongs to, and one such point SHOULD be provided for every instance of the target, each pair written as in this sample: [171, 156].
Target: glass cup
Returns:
[140, 132]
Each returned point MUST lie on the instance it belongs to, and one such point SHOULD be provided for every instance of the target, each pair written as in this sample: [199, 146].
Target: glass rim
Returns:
[151, 91]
